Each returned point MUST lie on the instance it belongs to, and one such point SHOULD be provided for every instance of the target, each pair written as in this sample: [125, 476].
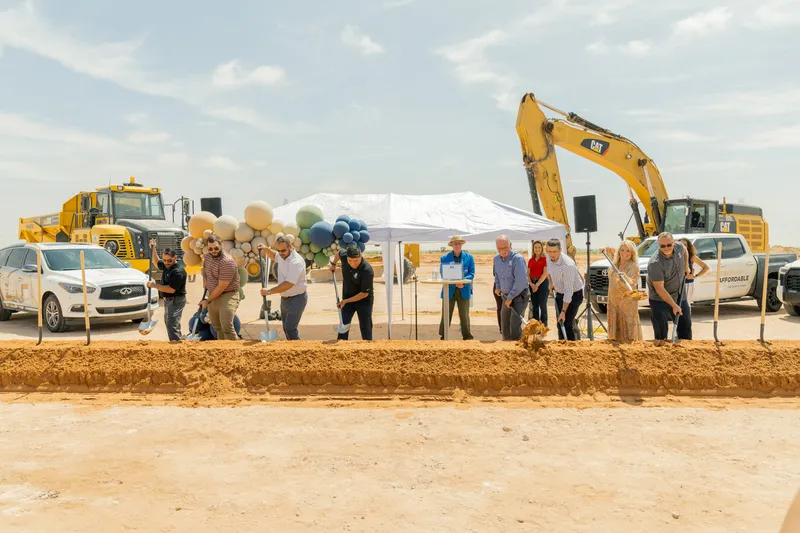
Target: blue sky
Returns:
[279, 100]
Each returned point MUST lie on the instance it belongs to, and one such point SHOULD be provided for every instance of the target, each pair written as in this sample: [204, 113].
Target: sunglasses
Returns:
[670, 245]
[210, 249]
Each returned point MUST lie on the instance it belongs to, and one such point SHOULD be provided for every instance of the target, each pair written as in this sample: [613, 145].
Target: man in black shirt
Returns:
[172, 289]
[357, 290]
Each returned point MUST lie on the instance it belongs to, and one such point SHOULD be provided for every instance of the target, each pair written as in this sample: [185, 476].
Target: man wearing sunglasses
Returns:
[221, 279]
[291, 284]
[666, 272]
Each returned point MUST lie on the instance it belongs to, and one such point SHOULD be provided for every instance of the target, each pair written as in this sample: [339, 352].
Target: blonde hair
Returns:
[627, 243]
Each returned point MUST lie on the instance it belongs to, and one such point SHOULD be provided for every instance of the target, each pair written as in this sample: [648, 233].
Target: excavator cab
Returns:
[690, 215]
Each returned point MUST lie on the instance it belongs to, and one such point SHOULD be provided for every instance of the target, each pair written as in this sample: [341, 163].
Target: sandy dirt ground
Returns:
[738, 321]
[215, 457]
[79, 468]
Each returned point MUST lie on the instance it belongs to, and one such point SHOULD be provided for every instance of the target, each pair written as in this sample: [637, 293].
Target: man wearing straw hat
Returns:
[461, 293]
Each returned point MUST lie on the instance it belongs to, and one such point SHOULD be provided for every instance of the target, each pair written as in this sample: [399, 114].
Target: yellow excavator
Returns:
[540, 135]
[121, 218]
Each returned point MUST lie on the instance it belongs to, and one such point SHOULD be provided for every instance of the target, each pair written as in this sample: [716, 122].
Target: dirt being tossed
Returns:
[742, 368]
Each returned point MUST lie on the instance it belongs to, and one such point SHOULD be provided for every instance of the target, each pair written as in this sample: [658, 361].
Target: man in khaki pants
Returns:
[221, 279]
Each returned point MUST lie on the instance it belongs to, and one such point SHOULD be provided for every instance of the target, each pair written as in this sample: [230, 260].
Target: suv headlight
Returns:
[76, 289]
[783, 270]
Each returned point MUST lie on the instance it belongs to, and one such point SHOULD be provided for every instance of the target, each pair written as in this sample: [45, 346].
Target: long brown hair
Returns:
[533, 249]
[689, 248]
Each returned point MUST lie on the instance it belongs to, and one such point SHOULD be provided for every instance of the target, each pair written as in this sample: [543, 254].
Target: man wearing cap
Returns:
[460, 293]
[357, 290]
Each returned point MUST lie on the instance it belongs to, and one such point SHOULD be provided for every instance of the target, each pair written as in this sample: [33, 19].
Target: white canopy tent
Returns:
[393, 219]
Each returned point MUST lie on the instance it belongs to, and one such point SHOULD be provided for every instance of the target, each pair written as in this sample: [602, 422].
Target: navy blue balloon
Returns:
[354, 225]
[321, 234]
[343, 218]
[364, 234]
[361, 246]
[363, 225]
[347, 238]
[356, 235]
[340, 228]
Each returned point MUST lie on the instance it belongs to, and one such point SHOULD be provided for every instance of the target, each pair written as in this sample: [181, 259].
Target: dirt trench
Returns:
[701, 368]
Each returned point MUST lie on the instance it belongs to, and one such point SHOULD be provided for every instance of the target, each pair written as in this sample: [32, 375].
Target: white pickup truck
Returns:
[789, 287]
[742, 271]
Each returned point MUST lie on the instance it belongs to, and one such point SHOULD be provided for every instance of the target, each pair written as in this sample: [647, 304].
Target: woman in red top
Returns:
[538, 281]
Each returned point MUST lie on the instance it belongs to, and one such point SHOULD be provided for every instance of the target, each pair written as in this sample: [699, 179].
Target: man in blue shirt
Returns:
[461, 293]
[511, 280]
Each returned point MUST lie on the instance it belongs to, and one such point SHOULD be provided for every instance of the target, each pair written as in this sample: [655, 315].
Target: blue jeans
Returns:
[291, 311]
[364, 310]
[173, 309]
[539, 301]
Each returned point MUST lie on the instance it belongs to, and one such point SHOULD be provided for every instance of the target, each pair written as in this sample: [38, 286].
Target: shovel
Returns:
[341, 328]
[145, 328]
[193, 336]
[266, 335]
[677, 316]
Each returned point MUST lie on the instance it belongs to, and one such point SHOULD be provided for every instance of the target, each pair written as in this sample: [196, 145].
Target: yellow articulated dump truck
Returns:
[120, 218]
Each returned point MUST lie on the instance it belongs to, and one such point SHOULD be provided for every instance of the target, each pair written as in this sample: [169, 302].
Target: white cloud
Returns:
[21, 28]
[392, 4]
[633, 48]
[703, 167]
[760, 102]
[232, 74]
[173, 160]
[22, 127]
[149, 137]
[137, 118]
[221, 163]
[243, 115]
[703, 23]
[786, 137]
[352, 36]
[682, 136]
[774, 14]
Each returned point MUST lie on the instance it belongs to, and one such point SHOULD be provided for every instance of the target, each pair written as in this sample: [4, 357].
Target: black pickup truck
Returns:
[743, 272]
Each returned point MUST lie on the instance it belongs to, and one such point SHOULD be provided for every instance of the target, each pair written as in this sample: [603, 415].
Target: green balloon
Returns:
[314, 248]
[308, 215]
[321, 259]
[305, 236]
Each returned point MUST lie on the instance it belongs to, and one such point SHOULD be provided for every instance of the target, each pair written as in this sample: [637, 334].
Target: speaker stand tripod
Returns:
[588, 298]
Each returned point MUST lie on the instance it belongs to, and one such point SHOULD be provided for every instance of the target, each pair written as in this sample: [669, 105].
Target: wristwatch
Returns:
[269, 293]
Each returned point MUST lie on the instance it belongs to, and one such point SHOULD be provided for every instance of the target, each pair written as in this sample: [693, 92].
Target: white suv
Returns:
[115, 292]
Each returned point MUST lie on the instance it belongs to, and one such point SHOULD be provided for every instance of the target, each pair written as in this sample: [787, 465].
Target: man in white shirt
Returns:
[291, 285]
[568, 286]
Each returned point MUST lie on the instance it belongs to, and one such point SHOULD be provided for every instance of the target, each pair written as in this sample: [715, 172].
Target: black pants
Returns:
[364, 310]
[661, 315]
[539, 301]
[569, 316]
[499, 301]
[511, 321]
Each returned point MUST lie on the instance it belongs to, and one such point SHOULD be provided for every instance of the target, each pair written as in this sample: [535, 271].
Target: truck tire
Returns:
[773, 303]
[5, 314]
[53, 316]
[793, 310]
[600, 308]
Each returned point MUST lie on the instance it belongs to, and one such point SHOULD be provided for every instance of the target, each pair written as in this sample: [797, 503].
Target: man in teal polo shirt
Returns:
[461, 293]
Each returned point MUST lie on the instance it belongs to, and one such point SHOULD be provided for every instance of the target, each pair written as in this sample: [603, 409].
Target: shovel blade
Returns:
[342, 328]
[268, 336]
[145, 328]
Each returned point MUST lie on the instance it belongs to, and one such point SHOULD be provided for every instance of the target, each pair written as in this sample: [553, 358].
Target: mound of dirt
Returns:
[742, 368]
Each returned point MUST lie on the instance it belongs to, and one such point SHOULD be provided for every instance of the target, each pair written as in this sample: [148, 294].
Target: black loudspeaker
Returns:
[585, 214]
[212, 205]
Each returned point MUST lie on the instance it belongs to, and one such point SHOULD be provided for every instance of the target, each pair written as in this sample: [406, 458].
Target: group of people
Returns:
[518, 286]
[221, 285]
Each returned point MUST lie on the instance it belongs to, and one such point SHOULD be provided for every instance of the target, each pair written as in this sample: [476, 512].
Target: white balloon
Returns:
[228, 246]
[246, 247]
[271, 241]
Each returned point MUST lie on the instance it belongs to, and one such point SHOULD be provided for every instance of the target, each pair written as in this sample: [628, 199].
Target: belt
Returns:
[293, 296]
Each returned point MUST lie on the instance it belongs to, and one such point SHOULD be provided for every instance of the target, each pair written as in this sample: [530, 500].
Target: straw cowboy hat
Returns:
[456, 238]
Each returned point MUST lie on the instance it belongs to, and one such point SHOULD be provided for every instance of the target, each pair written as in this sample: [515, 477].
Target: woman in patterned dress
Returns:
[623, 313]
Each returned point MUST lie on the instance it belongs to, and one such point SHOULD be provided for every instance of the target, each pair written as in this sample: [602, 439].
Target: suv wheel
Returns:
[773, 302]
[793, 310]
[5, 314]
[53, 316]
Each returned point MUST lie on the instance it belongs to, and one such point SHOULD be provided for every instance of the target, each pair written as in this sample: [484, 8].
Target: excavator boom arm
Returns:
[539, 136]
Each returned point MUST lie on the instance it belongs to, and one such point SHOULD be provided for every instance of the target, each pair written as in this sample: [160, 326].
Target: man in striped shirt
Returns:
[221, 279]
[568, 285]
